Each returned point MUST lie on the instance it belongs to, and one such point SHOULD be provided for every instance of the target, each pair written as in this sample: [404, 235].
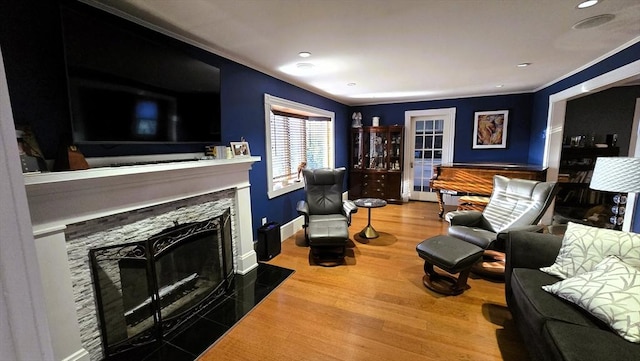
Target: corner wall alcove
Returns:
[555, 127]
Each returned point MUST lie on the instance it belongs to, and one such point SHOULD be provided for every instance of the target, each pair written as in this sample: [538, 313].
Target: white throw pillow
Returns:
[583, 247]
[611, 292]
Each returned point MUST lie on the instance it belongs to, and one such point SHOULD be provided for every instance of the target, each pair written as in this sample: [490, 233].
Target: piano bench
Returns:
[472, 203]
[452, 255]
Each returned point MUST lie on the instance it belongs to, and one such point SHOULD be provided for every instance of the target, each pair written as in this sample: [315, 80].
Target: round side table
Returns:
[368, 232]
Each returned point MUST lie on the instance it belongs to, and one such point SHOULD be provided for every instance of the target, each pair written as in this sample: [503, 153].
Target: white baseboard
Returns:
[290, 228]
[80, 355]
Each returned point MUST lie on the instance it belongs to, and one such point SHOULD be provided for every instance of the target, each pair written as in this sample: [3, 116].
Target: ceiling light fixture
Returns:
[499, 86]
[523, 65]
[593, 21]
[351, 84]
[587, 4]
[301, 69]
[304, 65]
[304, 54]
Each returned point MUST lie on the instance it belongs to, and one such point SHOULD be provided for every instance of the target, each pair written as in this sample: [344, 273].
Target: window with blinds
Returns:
[296, 134]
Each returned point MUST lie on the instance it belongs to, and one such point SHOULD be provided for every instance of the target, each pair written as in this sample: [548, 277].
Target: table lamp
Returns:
[619, 175]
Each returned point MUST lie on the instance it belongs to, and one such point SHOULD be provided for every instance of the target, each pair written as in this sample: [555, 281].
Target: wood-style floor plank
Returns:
[374, 307]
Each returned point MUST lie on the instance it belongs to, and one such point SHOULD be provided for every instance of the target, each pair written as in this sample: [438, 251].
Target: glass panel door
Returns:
[428, 141]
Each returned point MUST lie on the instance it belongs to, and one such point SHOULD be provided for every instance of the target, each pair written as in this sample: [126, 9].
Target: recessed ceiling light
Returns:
[587, 4]
[351, 84]
[304, 65]
[523, 65]
[499, 86]
[304, 54]
[593, 21]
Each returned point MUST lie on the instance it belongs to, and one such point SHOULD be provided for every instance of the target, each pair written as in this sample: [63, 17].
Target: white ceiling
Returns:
[398, 50]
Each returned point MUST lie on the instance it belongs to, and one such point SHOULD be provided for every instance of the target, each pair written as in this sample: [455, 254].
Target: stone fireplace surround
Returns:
[121, 228]
[58, 202]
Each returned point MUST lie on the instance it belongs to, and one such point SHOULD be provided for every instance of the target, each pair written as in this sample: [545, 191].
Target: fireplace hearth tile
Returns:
[168, 352]
[161, 351]
[194, 338]
[254, 286]
[198, 337]
[272, 276]
[230, 311]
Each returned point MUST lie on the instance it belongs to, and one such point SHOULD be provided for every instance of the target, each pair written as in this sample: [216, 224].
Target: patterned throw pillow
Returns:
[583, 247]
[611, 292]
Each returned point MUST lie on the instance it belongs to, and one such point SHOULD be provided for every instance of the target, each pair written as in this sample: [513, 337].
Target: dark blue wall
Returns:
[32, 50]
[243, 92]
[541, 104]
[31, 43]
[519, 123]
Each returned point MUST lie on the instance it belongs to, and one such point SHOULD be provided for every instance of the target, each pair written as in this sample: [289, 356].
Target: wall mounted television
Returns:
[130, 85]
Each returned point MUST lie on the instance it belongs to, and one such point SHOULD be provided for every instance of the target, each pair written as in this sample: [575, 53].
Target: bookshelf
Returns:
[576, 169]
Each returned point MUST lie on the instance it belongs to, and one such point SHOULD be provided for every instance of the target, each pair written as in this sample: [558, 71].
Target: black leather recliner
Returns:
[326, 216]
[515, 205]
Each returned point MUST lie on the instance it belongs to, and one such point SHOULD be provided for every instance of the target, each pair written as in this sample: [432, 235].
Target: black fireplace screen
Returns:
[145, 290]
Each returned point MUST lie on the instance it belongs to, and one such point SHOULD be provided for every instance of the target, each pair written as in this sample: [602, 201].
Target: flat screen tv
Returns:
[130, 85]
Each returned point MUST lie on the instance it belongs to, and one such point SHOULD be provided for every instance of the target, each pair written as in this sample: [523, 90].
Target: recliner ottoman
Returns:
[328, 239]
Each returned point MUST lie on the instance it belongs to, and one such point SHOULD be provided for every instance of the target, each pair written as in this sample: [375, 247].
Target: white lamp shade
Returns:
[616, 174]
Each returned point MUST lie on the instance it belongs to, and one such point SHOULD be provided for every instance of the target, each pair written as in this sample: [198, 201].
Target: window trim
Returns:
[270, 102]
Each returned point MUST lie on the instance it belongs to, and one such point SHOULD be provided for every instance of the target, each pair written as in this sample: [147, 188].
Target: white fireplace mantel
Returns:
[62, 198]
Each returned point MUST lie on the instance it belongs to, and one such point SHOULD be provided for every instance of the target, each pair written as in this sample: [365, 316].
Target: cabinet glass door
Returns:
[357, 156]
[377, 149]
[395, 148]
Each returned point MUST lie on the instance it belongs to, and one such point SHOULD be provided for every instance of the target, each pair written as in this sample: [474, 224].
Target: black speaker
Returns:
[269, 243]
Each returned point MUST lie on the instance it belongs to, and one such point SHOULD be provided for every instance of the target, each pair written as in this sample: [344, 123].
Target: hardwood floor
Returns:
[375, 307]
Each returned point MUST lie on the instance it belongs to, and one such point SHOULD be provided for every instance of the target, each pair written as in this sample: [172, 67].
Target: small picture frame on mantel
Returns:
[240, 149]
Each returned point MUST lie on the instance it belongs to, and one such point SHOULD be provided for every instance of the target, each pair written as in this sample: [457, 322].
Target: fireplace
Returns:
[145, 290]
[73, 212]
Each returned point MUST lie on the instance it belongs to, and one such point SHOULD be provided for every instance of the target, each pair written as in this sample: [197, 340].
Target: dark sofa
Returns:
[551, 328]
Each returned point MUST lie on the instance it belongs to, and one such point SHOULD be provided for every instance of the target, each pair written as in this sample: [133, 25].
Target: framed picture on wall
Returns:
[490, 129]
[240, 149]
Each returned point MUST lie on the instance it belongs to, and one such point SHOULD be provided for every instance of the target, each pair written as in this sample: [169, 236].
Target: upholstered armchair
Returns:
[326, 216]
[515, 205]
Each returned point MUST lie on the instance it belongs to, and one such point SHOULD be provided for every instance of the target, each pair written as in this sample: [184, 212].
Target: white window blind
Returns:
[296, 139]
[295, 133]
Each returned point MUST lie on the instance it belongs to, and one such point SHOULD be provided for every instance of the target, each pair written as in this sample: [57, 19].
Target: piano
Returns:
[477, 178]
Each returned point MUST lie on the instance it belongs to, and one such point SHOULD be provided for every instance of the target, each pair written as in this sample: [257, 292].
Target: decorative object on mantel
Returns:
[620, 175]
[490, 129]
[30, 155]
[215, 151]
[70, 158]
[240, 149]
[357, 120]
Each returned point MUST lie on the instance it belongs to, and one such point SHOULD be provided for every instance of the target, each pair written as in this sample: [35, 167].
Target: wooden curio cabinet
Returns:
[376, 163]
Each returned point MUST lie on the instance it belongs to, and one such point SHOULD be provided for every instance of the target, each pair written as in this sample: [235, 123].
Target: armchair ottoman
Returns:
[452, 255]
